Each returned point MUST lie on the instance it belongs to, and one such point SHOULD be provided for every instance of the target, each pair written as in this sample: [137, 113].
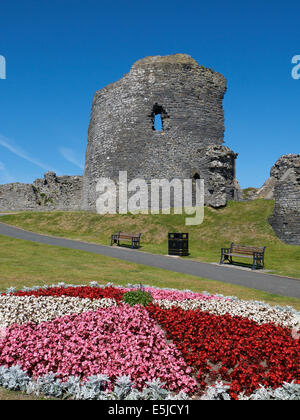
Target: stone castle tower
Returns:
[189, 100]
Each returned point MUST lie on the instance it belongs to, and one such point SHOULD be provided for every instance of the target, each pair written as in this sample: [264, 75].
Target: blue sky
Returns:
[59, 52]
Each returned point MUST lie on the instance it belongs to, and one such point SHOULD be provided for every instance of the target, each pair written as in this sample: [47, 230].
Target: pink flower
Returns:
[116, 341]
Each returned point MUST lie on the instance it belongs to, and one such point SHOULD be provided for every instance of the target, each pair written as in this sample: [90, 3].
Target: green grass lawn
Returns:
[24, 263]
[244, 223]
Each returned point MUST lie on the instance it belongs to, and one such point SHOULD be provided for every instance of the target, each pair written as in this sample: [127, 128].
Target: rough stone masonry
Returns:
[189, 100]
[285, 219]
[50, 193]
[283, 186]
[279, 172]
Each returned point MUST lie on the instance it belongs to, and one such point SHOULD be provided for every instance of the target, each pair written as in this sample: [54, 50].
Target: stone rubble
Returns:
[51, 193]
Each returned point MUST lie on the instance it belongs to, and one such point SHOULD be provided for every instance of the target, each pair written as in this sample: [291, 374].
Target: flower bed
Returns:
[181, 342]
[233, 349]
[115, 342]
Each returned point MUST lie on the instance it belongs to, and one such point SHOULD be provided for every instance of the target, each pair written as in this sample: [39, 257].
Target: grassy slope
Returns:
[239, 222]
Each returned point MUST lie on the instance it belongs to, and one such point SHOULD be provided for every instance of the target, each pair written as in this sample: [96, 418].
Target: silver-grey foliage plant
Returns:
[95, 388]
[288, 392]
[15, 379]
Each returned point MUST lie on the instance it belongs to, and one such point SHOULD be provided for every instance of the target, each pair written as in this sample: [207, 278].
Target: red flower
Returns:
[81, 292]
[232, 349]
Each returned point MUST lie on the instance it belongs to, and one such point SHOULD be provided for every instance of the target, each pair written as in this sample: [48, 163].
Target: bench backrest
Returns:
[126, 235]
[246, 249]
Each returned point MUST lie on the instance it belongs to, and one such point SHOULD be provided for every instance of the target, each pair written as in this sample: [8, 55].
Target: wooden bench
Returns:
[134, 238]
[244, 251]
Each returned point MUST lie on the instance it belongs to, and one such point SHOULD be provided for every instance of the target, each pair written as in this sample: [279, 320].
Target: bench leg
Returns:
[254, 263]
[222, 258]
[261, 262]
[135, 243]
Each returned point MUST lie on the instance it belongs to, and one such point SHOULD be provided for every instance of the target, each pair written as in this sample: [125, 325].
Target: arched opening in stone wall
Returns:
[158, 117]
[158, 126]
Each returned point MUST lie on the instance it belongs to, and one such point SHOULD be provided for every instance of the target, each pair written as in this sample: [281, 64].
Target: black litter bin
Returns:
[179, 244]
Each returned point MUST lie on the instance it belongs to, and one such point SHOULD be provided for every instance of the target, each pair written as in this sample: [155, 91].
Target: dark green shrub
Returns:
[137, 297]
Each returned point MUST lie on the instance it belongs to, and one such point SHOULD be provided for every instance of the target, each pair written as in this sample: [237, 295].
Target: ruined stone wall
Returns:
[215, 165]
[59, 192]
[285, 219]
[17, 196]
[279, 171]
[51, 193]
[122, 137]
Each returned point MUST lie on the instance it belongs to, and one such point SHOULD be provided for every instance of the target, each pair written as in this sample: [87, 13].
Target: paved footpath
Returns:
[253, 279]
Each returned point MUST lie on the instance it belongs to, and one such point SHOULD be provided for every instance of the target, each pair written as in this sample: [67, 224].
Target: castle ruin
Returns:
[122, 134]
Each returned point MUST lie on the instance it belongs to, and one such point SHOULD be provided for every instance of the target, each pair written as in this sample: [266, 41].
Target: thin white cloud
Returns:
[70, 156]
[16, 150]
[5, 177]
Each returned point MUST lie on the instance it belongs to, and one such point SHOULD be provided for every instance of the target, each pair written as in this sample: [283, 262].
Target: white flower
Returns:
[22, 309]
[262, 314]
